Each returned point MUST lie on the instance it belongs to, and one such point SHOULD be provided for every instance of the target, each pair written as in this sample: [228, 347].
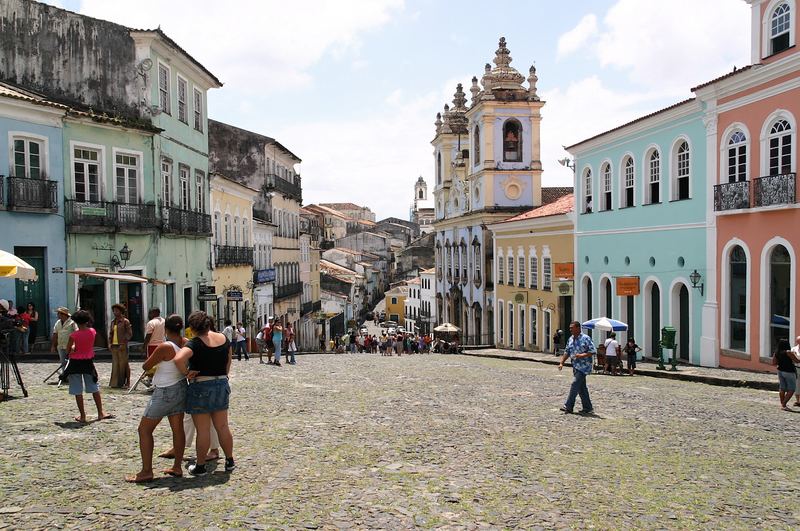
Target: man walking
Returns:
[61, 331]
[580, 349]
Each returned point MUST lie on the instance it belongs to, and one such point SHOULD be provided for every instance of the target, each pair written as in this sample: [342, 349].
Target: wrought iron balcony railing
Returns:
[284, 187]
[287, 290]
[179, 221]
[32, 195]
[775, 190]
[731, 196]
[316, 306]
[263, 215]
[306, 308]
[229, 255]
[110, 215]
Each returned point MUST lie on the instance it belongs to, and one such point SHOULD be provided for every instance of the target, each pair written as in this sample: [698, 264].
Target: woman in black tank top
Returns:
[208, 358]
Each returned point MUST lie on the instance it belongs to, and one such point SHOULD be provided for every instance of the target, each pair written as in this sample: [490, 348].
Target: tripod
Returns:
[8, 362]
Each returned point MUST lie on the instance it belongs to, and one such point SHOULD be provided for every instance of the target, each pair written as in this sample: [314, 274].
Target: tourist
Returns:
[785, 359]
[24, 330]
[119, 333]
[796, 350]
[80, 371]
[168, 400]
[612, 354]
[230, 334]
[352, 341]
[291, 346]
[63, 328]
[277, 342]
[154, 335]
[266, 337]
[631, 348]
[208, 356]
[241, 342]
[580, 349]
[33, 329]
[322, 342]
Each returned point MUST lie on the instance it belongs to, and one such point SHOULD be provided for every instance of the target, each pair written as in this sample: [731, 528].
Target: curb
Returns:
[670, 375]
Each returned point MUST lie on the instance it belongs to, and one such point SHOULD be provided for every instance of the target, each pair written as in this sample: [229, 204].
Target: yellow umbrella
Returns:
[13, 267]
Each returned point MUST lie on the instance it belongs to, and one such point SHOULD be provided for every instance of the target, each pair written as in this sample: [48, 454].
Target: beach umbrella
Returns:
[13, 267]
[605, 323]
[447, 327]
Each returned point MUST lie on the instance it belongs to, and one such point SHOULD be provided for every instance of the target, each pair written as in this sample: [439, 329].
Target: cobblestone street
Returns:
[363, 441]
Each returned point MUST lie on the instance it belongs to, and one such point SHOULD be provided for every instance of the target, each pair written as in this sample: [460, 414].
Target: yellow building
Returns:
[231, 249]
[534, 268]
[396, 304]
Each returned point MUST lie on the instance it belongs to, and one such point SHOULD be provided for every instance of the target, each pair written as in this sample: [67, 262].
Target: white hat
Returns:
[4, 304]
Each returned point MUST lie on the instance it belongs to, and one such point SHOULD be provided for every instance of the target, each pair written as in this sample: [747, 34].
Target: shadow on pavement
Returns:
[189, 482]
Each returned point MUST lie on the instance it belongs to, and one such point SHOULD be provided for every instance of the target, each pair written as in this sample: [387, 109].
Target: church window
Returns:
[476, 148]
[512, 141]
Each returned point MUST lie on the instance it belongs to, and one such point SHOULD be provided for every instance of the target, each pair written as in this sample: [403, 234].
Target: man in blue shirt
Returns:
[580, 349]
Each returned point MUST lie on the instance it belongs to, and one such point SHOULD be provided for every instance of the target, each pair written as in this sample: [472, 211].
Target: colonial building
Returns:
[308, 332]
[534, 269]
[422, 209]
[396, 303]
[352, 210]
[334, 223]
[412, 305]
[487, 166]
[263, 271]
[751, 139]
[232, 251]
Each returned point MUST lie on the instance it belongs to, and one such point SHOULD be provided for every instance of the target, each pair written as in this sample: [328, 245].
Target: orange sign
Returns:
[627, 286]
[565, 270]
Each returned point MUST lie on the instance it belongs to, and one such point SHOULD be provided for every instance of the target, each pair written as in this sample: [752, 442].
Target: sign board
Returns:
[208, 297]
[627, 286]
[58, 270]
[205, 289]
[565, 288]
[565, 270]
[93, 211]
[234, 295]
[261, 276]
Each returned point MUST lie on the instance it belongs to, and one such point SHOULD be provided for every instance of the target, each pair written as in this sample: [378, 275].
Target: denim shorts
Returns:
[787, 380]
[80, 382]
[208, 396]
[167, 401]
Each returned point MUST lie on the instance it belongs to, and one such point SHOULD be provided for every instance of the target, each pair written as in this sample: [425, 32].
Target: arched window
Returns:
[587, 191]
[680, 184]
[605, 171]
[512, 141]
[420, 194]
[439, 168]
[780, 148]
[780, 309]
[654, 178]
[780, 26]
[476, 146]
[629, 182]
[737, 157]
[737, 299]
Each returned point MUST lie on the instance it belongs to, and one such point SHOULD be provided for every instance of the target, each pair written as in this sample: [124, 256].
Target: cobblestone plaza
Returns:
[427, 441]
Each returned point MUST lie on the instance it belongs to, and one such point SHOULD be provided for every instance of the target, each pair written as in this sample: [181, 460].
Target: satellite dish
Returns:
[145, 65]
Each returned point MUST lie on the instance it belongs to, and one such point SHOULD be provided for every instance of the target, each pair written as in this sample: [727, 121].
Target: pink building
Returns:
[752, 127]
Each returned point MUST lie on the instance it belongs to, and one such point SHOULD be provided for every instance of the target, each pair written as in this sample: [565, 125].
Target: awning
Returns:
[13, 267]
[124, 277]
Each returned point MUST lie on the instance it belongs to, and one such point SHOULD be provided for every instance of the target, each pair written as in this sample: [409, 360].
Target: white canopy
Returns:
[13, 267]
[107, 275]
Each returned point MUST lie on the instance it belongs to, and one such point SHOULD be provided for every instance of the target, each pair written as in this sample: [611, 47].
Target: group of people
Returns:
[23, 334]
[614, 352]
[387, 344]
[787, 360]
[274, 339]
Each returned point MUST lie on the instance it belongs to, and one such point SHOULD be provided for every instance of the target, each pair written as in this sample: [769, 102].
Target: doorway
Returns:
[34, 291]
[565, 310]
[683, 323]
[130, 294]
[655, 319]
[92, 298]
[187, 303]
[547, 331]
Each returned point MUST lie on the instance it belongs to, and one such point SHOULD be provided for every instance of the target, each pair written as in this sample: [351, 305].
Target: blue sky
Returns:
[353, 87]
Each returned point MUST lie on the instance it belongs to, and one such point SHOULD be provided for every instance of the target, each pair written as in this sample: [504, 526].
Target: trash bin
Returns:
[668, 337]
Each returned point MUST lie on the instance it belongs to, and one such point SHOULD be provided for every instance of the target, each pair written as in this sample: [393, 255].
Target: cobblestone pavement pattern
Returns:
[363, 441]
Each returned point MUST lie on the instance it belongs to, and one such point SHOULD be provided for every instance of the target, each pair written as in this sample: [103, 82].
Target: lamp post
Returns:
[696, 277]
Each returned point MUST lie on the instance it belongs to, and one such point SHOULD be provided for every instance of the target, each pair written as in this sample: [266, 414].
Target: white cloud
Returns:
[674, 44]
[577, 37]
[265, 46]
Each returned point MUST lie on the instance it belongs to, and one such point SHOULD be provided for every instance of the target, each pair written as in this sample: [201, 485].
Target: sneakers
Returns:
[586, 411]
[198, 470]
[229, 464]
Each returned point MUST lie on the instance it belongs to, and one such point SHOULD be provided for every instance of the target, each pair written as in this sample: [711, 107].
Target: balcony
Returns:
[187, 222]
[32, 195]
[284, 187]
[109, 216]
[775, 190]
[263, 215]
[732, 196]
[229, 255]
[287, 290]
[316, 306]
[306, 308]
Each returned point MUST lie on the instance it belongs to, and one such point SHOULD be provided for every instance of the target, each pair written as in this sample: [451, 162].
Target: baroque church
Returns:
[488, 168]
[422, 211]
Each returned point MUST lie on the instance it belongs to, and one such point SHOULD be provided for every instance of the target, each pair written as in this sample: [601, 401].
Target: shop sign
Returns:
[565, 288]
[93, 211]
[262, 276]
[206, 292]
[627, 286]
[234, 295]
[565, 270]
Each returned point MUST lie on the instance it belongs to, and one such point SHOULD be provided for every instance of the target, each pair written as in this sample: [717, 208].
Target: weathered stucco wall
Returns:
[237, 154]
[71, 58]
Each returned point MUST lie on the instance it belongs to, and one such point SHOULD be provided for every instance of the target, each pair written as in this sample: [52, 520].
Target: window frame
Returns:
[652, 153]
[534, 272]
[28, 138]
[771, 35]
[782, 145]
[165, 93]
[101, 150]
[476, 146]
[139, 167]
[588, 197]
[199, 121]
[166, 181]
[627, 176]
[725, 152]
[677, 166]
[547, 273]
[182, 81]
[608, 186]
[200, 188]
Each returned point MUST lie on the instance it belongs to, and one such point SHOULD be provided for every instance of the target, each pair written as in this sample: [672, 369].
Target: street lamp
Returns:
[695, 277]
[115, 262]
[567, 163]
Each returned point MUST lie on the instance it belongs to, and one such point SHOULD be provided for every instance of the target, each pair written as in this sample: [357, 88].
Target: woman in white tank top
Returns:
[168, 400]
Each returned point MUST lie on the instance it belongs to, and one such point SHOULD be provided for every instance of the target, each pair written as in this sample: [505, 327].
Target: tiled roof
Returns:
[552, 193]
[325, 210]
[563, 205]
[343, 206]
[720, 78]
[429, 271]
[414, 281]
[175, 45]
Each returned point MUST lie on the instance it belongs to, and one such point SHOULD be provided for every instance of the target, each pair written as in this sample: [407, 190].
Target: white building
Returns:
[412, 305]
[263, 271]
[422, 207]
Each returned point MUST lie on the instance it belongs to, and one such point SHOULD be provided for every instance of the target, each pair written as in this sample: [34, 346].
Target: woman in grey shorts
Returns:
[168, 400]
[787, 376]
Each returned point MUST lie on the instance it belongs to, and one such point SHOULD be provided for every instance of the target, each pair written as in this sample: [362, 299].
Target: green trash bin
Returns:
[668, 337]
